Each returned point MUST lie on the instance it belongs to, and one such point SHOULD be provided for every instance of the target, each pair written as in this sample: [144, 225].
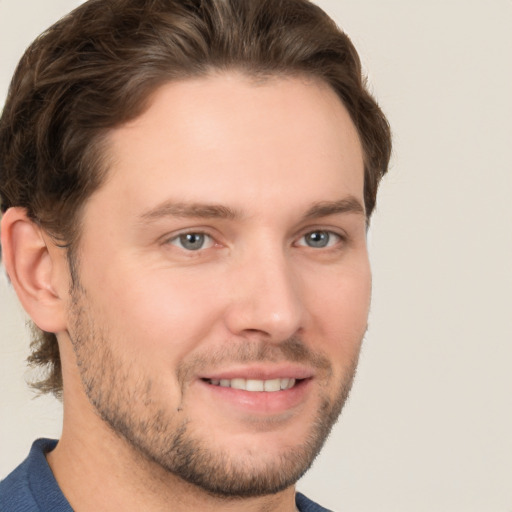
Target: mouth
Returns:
[260, 390]
[256, 385]
[261, 397]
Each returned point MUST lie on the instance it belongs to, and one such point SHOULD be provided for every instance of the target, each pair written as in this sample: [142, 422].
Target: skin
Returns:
[263, 170]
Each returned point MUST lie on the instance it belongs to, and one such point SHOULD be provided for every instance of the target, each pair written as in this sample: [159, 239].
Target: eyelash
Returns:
[178, 240]
[323, 232]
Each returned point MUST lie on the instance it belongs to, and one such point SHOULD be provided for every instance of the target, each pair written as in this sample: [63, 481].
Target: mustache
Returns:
[292, 350]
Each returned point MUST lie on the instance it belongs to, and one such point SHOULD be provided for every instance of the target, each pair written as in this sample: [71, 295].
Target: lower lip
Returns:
[260, 402]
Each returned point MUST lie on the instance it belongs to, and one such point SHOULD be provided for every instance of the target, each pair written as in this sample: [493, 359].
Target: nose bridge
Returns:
[267, 295]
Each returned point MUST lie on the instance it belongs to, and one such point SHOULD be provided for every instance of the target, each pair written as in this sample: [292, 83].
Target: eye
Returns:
[319, 239]
[192, 241]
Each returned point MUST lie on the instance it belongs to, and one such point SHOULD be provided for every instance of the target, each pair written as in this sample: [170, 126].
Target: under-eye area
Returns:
[270, 385]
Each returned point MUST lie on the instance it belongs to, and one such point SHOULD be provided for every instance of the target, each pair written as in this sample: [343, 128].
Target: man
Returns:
[186, 188]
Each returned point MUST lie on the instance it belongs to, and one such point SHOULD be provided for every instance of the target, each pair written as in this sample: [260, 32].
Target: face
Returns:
[224, 282]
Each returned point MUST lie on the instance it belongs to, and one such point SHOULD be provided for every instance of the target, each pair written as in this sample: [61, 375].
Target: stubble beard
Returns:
[166, 437]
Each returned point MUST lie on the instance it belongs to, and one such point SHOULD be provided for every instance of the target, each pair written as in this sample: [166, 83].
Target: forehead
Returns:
[231, 139]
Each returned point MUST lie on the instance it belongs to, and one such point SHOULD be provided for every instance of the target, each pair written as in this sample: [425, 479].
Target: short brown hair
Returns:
[96, 68]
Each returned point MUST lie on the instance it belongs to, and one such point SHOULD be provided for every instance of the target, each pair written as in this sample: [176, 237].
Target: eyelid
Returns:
[208, 241]
[170, 238]
[339, 235]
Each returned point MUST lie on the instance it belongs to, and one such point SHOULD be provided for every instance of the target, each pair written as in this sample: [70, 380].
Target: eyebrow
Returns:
[349, 204]
[186, 210]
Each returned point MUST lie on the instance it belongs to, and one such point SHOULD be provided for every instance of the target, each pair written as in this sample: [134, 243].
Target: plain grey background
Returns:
[429, 423]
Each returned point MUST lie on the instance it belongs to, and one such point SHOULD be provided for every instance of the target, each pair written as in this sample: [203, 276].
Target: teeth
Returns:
[273, 385]
[255, 385]
[238, 383]
[285, 383]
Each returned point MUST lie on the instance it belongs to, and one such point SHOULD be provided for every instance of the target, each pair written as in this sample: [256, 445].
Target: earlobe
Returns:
[34, 269]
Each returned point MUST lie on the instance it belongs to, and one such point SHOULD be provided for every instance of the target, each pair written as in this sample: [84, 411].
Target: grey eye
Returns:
[319, 239]
[193, 241]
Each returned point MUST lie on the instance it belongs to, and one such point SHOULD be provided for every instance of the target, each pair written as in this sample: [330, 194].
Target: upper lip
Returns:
[261, 372]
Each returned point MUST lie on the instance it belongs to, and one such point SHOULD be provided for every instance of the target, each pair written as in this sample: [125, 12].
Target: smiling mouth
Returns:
[271, 385]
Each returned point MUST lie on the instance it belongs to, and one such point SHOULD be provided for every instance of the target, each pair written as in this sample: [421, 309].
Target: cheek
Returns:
[157, 313]
[340, 307]
[345, 319]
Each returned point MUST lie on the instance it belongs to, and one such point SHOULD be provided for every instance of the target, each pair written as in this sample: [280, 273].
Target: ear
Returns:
[37, 269]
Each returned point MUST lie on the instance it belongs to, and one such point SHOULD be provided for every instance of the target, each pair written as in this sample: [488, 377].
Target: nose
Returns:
[266, 299]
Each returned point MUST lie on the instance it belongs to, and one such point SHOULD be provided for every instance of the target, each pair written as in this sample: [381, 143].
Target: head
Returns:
[89, 83]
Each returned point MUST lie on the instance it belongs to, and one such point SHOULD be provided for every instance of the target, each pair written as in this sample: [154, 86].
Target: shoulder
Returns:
[31, 487]
[306, 505]
[15, 494]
